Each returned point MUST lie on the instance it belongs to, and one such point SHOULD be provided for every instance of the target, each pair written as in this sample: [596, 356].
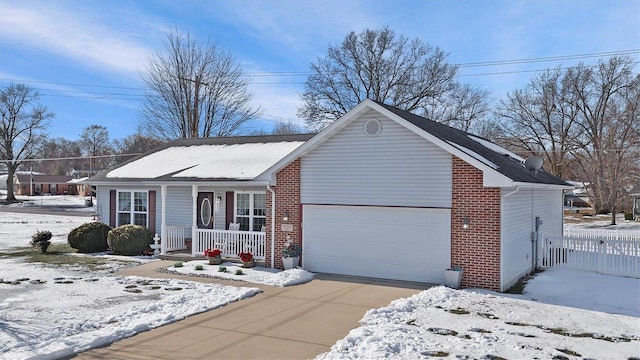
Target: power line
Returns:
[69, 158]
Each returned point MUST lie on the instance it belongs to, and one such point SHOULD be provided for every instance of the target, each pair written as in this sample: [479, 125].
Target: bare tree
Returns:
[22, 123]
[541, 120]
[58, 148]
[135, 144]
[463, 107]
[585, 122]
[377, 65]
[95, 143]
[194, 91]
[608, 99]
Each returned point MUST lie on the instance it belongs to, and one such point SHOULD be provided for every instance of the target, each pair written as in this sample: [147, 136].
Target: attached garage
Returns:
[411, 244]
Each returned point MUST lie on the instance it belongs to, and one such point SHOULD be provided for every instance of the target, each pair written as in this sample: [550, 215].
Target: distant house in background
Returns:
[77, 187]
[42, 184]
[83, 173]
[578, 197]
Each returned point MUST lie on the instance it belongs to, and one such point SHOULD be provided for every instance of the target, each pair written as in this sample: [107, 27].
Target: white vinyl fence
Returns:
[602, 251]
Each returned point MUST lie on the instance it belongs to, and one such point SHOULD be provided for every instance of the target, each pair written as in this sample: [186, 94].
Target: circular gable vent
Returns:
[372, 127]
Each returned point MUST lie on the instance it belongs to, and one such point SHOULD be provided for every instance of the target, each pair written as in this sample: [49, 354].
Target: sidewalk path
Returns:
[297, 322]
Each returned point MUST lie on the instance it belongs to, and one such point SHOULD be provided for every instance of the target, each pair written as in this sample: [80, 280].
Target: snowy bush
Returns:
[41, 240]
[130, 239]
[90, 237]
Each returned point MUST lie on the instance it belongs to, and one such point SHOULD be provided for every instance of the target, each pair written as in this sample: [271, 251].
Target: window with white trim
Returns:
[251, 210]
[133, 208]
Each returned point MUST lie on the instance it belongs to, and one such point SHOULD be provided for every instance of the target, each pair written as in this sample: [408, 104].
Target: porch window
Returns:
[251, 211]
[133, 208]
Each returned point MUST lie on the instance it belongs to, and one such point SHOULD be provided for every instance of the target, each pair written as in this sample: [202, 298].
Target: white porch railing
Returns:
[230, 242]
[175, 237]
[612, 257]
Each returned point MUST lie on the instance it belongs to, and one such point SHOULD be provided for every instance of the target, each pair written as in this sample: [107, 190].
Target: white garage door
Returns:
[390, 243]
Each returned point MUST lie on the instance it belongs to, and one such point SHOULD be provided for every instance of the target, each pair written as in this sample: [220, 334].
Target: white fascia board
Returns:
[183, 183]
[269, 175]
[542, 186]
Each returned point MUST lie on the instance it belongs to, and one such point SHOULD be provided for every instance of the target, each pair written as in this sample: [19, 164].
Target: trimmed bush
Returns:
[130, 239]
[41, 240]
[90, 237]
[628, 216]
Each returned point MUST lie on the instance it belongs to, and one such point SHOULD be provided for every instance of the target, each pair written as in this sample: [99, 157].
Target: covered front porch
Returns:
[228, 219]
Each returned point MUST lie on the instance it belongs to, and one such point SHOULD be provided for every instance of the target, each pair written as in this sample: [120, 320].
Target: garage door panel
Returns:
[393, 243]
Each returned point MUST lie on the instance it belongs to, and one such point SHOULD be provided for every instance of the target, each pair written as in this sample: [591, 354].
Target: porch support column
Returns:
[163, 226]
[194, 224]
[273, 225]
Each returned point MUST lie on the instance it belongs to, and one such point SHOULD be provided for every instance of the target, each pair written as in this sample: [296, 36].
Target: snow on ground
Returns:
[255, 275]
[16, 229]
[602, 221]
[471, 325]
[75, 203]
[51, 312]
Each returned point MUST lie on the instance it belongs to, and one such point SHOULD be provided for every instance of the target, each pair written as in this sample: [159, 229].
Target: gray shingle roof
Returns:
[506, 165]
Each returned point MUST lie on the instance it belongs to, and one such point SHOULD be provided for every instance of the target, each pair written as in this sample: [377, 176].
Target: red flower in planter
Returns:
[212, 253]
[246, 257]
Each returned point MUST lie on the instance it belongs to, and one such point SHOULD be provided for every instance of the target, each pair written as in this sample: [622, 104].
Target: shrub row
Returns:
[98, 237]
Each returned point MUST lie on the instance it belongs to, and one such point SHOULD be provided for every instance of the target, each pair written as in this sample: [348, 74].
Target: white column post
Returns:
[163, 227]
[194, 224]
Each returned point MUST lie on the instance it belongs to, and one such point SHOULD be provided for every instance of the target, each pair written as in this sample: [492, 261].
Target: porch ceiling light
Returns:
[465, 223]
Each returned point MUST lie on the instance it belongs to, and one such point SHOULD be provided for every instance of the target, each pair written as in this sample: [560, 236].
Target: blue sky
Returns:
[85, 57]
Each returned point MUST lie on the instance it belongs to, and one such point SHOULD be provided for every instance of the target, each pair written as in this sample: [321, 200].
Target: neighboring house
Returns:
[41, 184]
[79, 187]
[635, 195]
[379, 193]
[578, 197]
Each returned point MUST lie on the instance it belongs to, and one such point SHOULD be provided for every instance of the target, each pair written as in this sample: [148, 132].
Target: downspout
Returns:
[273, 224]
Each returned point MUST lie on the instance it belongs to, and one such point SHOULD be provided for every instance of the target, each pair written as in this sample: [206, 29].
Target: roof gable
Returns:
[500, 167]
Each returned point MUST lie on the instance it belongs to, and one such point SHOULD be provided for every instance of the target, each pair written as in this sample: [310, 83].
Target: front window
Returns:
[132, 208]
[251, 211]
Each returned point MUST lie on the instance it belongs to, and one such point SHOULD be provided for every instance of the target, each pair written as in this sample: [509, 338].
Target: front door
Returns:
[205, 210]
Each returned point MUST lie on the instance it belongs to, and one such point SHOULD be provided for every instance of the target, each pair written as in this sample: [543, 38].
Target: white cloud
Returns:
[74, 35]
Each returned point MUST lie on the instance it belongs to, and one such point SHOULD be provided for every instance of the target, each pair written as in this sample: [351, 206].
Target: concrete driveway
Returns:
[297, 322]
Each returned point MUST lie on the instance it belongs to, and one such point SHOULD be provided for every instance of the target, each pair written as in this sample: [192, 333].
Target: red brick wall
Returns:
[287, 194]
[476, 249]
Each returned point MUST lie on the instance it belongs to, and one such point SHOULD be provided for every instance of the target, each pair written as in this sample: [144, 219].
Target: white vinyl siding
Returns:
[394, 168]
[519, 211]
[179, 207]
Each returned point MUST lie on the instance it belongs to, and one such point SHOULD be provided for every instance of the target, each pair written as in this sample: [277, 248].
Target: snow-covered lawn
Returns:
[75, 203]
[49, 312]
[441, 322]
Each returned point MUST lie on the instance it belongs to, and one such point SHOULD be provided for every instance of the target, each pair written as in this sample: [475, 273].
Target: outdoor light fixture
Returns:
[285, 218]
[465, 223]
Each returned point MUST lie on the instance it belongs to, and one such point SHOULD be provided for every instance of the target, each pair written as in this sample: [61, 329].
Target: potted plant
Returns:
[453, 277]
[247, 259]
[290, 255]
[214, 256]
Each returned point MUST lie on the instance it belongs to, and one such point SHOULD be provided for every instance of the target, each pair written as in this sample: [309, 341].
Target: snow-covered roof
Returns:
[230, 158]
[77, 181]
